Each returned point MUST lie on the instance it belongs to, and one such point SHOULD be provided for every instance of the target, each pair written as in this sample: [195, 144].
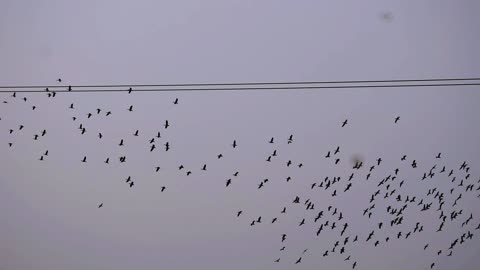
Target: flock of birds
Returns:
[389, 205]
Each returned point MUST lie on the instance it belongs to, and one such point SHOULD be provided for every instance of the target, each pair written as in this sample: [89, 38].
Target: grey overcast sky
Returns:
[49, 208]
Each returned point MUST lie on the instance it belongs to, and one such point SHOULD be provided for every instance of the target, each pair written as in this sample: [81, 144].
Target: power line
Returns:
[247, 88]
[240, 83]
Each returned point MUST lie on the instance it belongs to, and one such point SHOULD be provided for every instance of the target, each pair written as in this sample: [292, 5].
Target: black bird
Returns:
[344, 122]
[299, 260]
[59, 80]
[121, 142]
[284, 237]
[285, 210]
[136, 133]
[271, 140]
[229, 181]
[108, 113]
[239, 213]
[219, 156]
[157, 169]
[404, 157]
[44, 132]
[166, 124]
[188, 173]
[328, 155]
[167, 146]
[163, 188]
[277, 260]
[396, 119]
[130, 90]
[438, 156]
[235, 174]
[282, 249]
[46, 153]
[378, 161]
[131, 184]
[432, 265]
[89, 115]
[234, 143]
[152, 147]
[71, 106]
[347, 259]
[274, 154]
[302, 222]
[158, 134]
[290, 139]
[337, 150]
[204, 168]
[84, 159]
[130, 109]
[100, 205]
[274, 219]
[269, 158]
[175, 101]
[106, 161]
[354, 264]
[128, 179]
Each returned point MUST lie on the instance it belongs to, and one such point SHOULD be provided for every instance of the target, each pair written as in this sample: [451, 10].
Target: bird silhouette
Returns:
[344, 122]
[175, 101]
[166, 125]
[100, 205]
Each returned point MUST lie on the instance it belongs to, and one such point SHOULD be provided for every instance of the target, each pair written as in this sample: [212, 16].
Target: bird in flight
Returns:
[299, 260]
[234, 143]
[100, 205]
[176, 101]
[396, 119]
[344, 122]
[166, 124]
